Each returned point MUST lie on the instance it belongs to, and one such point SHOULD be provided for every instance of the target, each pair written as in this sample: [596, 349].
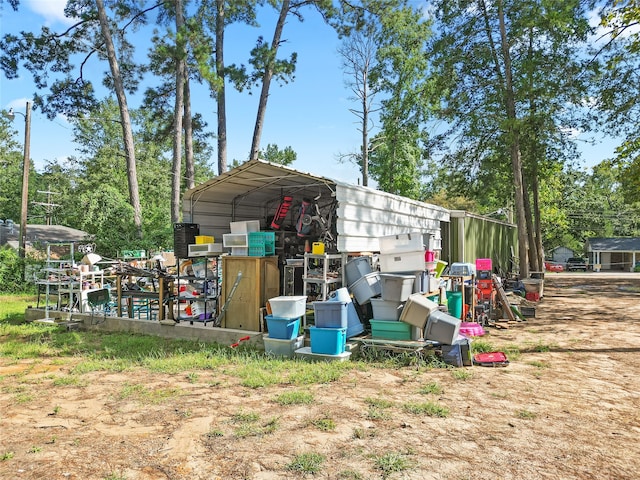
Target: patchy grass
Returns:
[307, 463]
[430, 409]
[297, 397]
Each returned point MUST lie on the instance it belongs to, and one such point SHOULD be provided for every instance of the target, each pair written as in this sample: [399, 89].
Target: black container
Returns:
[184, 234]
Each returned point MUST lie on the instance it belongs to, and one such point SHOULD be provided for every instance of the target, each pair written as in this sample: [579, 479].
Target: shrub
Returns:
[11, 272]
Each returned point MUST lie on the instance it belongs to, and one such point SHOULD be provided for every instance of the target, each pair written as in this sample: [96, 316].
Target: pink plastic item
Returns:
[483, 264]
[471, 329]
[429, 256]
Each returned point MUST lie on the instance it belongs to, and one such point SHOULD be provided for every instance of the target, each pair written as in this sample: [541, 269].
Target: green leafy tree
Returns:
[513, 84]
[11, 157]
[618, 92]
[49, 57]
[273, 154]
[401, 77]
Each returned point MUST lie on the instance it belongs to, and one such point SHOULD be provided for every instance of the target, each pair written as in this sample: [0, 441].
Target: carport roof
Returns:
[257, 178]
[613, 244]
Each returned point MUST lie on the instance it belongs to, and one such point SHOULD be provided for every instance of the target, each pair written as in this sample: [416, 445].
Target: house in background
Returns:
[561, 255]
[616, 253]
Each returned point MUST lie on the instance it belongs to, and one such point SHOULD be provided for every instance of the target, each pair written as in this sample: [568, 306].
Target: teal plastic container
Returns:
[328, 341]
[454, 304]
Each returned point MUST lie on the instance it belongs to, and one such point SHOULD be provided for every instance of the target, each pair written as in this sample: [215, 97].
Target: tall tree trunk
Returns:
[514, 139]
[533, 151]
[536, 215]
[127, 131]
[221, 94]
[190, 171]
[266, 81]
[178, 113]
[365, 138]
[533, 254]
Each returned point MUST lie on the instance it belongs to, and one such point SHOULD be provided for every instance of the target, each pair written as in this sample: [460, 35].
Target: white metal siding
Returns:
[365, 215]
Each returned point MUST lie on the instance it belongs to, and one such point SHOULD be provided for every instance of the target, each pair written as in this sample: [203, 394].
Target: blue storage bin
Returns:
[328, 341]
[282, 328]
[330, 314]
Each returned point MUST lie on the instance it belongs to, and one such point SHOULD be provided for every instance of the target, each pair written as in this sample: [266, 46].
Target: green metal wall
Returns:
[481, 238]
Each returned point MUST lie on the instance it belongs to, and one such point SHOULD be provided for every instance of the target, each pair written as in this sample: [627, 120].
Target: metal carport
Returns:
[254, 190]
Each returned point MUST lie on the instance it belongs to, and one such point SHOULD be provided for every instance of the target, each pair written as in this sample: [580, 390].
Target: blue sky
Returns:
[310, 114]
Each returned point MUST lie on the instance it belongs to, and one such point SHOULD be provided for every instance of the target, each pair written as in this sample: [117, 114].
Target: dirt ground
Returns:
[567, 407]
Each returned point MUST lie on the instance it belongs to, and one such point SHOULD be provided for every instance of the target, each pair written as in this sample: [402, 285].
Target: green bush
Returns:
[11, 272]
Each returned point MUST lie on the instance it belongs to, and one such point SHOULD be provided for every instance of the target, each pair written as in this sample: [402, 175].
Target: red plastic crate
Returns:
[532, 296]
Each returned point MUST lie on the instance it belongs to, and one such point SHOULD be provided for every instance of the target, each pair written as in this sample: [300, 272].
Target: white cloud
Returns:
[51, 10]
[18, 104]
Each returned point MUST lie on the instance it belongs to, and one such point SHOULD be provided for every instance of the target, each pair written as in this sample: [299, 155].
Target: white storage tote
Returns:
[401, 243]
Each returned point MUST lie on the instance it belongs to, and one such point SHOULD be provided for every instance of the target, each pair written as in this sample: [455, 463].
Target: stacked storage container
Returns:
[262, 244]
[329, 334]
[402, 253]
[395, 289]
[283, 325]
[405, 253]
[238, 239]
[354, 326]
[362, 281]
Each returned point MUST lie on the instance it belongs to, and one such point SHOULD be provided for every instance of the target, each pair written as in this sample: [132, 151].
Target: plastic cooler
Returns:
[366, 288]
[357, 268]
[386, 309]
[354, 326]
[330, 314]
[288, 306]
[442, 327]
[328, 341]
[396, 288]
[390, 330]
[417, 309]
[282, 328]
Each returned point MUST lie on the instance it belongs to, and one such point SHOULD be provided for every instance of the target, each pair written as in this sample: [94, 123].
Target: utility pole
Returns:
[22, 241]
[48, 206]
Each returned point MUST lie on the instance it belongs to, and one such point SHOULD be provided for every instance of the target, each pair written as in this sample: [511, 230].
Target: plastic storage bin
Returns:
[390, 330]
[282, 328]
[366, 288]
[357, 268]
[288, 306]
[462, 269]
[396, 288]
[245, 227]
[354, 326]
[417, 309]
[402, 262]
[403, 242]
[330, 314]
[483, 264]
[204, 239]
[328, 341]
[282, 348]
[442, 327]
[235, 240]
[386, 309]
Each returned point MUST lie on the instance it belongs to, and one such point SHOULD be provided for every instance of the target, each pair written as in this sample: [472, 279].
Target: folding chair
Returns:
[98, 299]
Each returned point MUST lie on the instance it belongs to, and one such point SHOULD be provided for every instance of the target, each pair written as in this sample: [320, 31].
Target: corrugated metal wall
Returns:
[365, 215]
[469, 237]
